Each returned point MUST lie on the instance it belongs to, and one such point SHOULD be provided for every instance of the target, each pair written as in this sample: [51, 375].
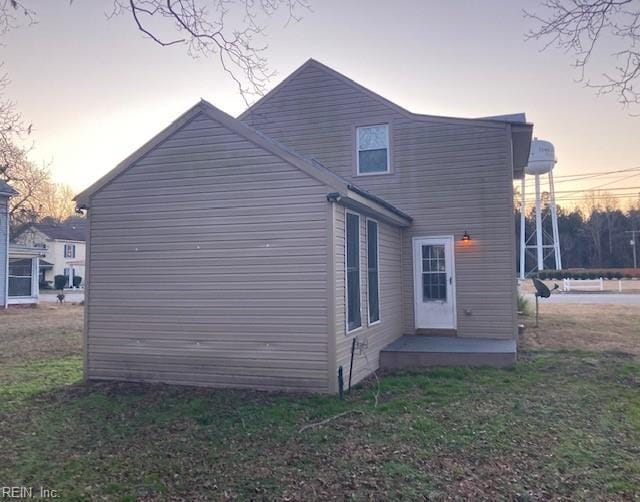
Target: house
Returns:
[325, 232]
[18, 264]
[64, 247]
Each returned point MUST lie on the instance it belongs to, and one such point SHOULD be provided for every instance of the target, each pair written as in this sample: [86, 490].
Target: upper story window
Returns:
[372, 145]
[69, 250]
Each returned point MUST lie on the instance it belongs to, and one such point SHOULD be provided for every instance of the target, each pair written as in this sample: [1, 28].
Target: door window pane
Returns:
[434, 273]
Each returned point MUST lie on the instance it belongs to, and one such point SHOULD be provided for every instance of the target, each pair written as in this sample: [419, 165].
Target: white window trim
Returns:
[388, 171]
[369, 323]
[72, 250]
[34, 283]
[346, 275]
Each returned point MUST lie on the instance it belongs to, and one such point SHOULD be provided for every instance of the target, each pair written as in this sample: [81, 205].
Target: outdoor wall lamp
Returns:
[466, 237]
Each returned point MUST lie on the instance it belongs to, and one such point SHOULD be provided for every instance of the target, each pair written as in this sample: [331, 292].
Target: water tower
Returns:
[539, 244]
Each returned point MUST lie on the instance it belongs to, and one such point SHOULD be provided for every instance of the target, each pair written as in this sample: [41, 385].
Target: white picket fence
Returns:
[582, 285]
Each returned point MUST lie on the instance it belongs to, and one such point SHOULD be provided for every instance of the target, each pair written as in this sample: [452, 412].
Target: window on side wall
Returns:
[69, 250]
[20, 276]
[352, 259]
[373, 291]
[372, 148]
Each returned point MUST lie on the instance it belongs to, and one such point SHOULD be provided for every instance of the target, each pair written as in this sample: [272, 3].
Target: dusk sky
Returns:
[96, 89]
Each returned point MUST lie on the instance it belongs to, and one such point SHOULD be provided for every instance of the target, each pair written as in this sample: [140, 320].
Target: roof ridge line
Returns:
[486, 122]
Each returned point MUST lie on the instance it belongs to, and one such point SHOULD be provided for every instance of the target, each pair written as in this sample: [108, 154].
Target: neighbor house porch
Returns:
[23, 275]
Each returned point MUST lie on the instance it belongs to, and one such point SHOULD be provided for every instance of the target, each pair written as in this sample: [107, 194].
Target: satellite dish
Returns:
[542, 291]
[541, 288]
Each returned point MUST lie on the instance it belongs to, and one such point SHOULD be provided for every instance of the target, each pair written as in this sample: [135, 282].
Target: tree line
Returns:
[595, 234]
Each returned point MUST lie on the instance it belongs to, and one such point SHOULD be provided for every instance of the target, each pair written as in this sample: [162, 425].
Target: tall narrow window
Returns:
[372, 272]
[69, 250]
[373, 149]
[354, 319]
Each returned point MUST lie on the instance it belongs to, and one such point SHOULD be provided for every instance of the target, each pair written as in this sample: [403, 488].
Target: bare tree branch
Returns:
[229, 29]
[14, 13]
[581, 27]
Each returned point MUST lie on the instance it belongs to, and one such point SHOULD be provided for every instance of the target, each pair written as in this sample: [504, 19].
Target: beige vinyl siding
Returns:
[389, 328]
[209, 267]
[450, 176]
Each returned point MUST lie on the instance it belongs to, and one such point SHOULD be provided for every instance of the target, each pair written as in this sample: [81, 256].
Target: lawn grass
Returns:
[564, 424]
[561, 424]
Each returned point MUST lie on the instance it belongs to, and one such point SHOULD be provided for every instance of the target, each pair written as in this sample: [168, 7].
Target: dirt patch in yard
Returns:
[602, 328]
[42, 332]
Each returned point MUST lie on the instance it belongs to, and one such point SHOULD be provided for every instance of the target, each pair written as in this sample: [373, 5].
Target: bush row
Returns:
[60, 281]
[588, 274]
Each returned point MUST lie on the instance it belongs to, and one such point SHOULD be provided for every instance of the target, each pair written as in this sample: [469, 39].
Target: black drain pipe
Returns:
[340, 383]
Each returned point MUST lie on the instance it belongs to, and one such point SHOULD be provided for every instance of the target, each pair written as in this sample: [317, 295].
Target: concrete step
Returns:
[411, 351]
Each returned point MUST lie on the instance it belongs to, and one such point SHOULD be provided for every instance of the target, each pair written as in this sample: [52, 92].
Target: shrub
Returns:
[77, 280]
[60, 281]
[523, 305]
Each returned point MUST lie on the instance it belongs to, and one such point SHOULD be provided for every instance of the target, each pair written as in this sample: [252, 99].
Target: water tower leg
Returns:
[554, 223]
[539, 240]
[523, 235]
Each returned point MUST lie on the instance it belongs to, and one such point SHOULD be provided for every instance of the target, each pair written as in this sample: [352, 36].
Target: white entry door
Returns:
[434, 282]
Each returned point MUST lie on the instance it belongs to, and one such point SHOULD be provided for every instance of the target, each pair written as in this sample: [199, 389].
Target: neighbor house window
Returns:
[69, 250]
[372, 145]
[352, 252]
[372, 272]
[20, 276]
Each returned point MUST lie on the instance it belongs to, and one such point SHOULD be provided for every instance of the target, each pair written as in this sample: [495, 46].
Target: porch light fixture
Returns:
[466, 237]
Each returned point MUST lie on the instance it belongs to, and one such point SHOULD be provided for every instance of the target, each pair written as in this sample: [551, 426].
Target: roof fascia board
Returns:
[519, 156]
[319, 173]
[361, 204]
[82, 199]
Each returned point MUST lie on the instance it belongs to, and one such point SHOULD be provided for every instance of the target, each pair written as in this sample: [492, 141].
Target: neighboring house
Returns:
[326, 222]
[18, 264]
[63, 244]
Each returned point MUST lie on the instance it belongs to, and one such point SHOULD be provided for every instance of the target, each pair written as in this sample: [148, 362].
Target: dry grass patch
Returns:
[42, 332]
[601, 328]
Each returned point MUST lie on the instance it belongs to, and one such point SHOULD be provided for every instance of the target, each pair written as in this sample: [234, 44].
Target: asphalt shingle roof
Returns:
[73, 229]
[5, 188]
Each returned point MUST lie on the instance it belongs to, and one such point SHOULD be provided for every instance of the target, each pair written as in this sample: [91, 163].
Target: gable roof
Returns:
[309, 166]
[6, 189]
[72, 229]
[516, 125]
[312, 63]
